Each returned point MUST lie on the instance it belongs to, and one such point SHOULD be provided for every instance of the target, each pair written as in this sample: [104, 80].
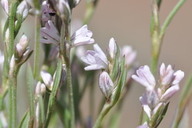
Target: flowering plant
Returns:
[57, 83]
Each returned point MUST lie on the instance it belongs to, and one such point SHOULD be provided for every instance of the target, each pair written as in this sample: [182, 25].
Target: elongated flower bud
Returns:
[105, 84]
[112, 48]
[40, 88]
[22, 45]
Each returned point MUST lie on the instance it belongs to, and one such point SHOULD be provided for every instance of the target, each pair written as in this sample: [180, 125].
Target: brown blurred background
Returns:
[128, 22]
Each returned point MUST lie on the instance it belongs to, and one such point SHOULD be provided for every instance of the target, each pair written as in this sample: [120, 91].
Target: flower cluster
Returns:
[110, 65]
[157, 94]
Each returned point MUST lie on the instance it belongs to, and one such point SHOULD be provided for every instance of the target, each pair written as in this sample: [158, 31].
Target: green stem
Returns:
[66, 56]
[37, 45]
[156, 43]
[70, 94]
[185, 100]
[12, 14]
[90, 9]
[13, 99]
[102, 114]
[170, 17]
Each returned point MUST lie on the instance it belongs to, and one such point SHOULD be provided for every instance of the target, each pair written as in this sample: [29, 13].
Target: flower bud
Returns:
[106, 84]
[64, 10]
[47, 79]
[12, 65]
[112, 48]
[129, 54]
[75, 3]
[1, 60]
[22, 45]
[40, 88]
[23, 9]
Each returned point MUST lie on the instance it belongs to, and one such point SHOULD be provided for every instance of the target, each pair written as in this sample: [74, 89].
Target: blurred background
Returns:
[128, 21]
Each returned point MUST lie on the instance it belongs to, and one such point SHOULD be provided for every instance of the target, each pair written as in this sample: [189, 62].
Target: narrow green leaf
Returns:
[30, 88]
[25, 120]
[52, 97]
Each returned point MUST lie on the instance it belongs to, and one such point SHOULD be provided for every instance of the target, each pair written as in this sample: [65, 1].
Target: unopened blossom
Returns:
[47, 79]
[95, 59]
[105, 84]
[40, 88]
[49, 34]
[1, 60]
[64, 10]
[145, 77]
[22, 45]
[112, 48]
[82, 37]
[129, 54]
[47, 11]
[4, 4]
[23, 9]
[144, 125]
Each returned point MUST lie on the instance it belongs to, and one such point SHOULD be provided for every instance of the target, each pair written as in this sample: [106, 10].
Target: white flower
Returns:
[96, 59]
[49, 34]
[105, 84]
[129, 54]
[145, 77]
[82, 37]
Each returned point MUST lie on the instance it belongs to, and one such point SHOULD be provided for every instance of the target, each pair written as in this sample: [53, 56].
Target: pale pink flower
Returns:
[82, 37]
[4, 4]
[49, 34]
[95, 59]
[22, 45]
[129, 54]
[23, 9]
[47, 11]
[105, 84]
[145, 77]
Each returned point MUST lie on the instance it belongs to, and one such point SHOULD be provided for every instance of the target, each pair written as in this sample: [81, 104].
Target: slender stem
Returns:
[70, 94]
[37, 44]
[12, 14]
[12, 99]
[170, 17]
[90, 9]
[102, 114]
[185, 100]
[69, 80]
[156, 43]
